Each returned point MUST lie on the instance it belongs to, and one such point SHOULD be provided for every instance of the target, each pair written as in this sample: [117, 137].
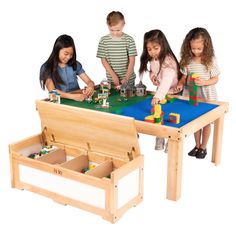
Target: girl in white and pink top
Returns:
[164, 68]
[165, 80]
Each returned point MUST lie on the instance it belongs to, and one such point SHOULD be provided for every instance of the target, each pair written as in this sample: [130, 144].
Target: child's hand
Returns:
[88, 91]
[117, 87]
[154, 80]
[179, 87]
[116, 81]
[79, 97]
[199, 82]
[155, 101]
[124, 81]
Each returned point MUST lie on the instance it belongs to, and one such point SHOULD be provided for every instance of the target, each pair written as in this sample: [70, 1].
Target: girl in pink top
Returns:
[164, 68]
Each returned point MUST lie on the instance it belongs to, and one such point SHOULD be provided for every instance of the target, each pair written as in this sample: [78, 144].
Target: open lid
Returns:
[92, 130]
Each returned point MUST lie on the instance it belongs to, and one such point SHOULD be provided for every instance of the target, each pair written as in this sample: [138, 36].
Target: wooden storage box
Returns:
[81, 138]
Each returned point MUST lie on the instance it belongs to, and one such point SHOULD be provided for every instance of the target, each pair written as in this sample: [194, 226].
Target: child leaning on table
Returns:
[164, 68]
[117, 51]
[197, 56]
[61, 69]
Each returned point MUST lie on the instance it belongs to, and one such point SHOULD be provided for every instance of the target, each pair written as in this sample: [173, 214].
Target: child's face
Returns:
[197, 47]
[117, 30]
[153, 49]
[65, 55]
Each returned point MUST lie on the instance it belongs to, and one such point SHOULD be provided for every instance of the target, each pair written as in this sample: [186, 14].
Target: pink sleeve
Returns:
[167, 77]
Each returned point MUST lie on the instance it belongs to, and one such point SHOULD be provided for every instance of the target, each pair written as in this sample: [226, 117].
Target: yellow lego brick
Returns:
[149, 118]
[195, 75]
[157, 110]
[163, 101]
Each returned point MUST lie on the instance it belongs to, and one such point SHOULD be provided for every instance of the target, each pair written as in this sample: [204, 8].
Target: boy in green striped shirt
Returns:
[117, 51]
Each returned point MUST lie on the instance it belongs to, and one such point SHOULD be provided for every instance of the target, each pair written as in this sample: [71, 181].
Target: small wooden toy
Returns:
[127, 90]
[105, 86]
[102, 97]
[140, 89]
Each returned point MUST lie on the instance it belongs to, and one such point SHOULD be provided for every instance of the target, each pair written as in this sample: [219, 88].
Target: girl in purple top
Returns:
[61, 69]
[164, 68]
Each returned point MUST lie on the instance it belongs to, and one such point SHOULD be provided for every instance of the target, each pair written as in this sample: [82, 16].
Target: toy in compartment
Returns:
[90, 167]
[45, 150]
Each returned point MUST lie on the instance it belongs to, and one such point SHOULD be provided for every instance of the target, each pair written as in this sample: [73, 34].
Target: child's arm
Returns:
[180, 85]
[167, 77]
[110, 71]
[90, 89]
[130, 69]
[211, 81]
[75, 96]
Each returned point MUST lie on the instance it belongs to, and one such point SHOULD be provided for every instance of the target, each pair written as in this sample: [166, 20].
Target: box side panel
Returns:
[128, 187]
[63, 186]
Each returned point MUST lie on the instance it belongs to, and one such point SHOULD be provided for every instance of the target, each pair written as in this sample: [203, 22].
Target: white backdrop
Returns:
[28, 31]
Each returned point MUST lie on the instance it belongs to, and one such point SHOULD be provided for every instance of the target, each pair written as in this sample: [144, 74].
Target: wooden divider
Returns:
[77, 164]
[57, 156]
[102, 170]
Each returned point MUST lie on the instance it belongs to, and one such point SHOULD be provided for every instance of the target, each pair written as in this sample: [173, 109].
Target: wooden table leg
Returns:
[217, 140]
[174, 169]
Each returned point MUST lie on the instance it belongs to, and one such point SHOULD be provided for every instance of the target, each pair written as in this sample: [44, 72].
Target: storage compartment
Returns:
[55, 157]
[94, 165]
[80, 164]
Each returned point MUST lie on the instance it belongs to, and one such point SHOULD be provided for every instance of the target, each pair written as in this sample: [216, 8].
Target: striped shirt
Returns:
[117, 52]
[205, 92]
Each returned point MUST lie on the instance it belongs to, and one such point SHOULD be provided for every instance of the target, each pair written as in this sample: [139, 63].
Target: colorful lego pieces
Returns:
[193, 89]
[174, 118]
[54, 96]
[92, 166]
[44, 151]
[170, 99]
[149, 119]
[157, 115]
[157, 110]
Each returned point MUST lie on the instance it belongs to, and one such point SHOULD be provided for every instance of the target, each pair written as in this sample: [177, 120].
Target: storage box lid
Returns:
[93, 130]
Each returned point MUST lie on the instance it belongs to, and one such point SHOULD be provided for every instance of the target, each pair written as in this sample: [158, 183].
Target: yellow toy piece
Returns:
[149, 119]
[164, 101]
[91, 166]
[195, 75]
[157, 111]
